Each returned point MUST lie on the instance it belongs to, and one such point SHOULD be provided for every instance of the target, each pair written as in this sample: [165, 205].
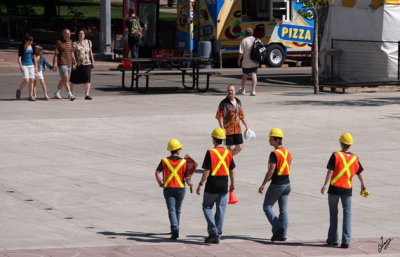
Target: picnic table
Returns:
[162, 66]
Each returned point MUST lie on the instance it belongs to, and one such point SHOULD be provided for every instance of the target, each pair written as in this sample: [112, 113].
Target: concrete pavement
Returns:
[77, 178]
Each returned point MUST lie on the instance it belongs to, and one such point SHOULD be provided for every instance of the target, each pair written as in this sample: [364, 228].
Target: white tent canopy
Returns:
[349, 29]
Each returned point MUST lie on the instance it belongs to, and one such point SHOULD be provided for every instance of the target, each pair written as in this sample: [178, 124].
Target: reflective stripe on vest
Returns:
[221, 162]
[346, 169]
[174, 172]
[285, 164]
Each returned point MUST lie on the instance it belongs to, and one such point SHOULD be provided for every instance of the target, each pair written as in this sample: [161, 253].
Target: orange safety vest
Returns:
[174, 172]
[221, 159]
[346, 166]
[284, 159]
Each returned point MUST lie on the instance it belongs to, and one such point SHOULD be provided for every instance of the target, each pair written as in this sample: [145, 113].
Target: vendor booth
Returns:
[360, 42]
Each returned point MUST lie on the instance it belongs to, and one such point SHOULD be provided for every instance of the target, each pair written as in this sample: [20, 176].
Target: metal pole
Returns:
[398, 61]
[105, 27]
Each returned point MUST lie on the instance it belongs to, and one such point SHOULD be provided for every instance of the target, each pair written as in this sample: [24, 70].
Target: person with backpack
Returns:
[249, 66]
[135, 28]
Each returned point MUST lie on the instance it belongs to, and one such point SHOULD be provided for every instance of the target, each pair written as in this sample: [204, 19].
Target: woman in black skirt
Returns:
[82, 49]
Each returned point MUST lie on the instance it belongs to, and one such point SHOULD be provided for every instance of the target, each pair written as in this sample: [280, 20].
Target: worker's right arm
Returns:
[361, 178]
[203, 179]
[159, 179]
[327, 179]
[268, 176]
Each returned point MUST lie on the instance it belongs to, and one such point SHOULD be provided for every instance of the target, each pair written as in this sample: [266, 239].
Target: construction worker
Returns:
[278, 173]
[229, 115]
[218, 166]
[175, 173]
[342, 166]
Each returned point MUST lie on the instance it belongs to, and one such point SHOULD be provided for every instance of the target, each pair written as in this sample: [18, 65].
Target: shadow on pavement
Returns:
[152, 237]
[157, 90]
[362, 102]
[199, 239]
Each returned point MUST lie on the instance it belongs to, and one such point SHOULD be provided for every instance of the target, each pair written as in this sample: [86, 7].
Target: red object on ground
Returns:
[232, 198]
[126, 64]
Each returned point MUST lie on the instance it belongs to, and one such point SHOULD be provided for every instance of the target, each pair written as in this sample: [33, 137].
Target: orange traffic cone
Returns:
[232, 198]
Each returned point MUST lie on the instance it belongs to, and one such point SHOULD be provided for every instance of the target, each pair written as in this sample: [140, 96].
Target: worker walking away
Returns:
[278, 191]
[342, 166]
[175, 173]
[218, 168]
[229, 115]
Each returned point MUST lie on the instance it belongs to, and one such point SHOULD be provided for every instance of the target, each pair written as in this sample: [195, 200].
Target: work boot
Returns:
[175, 235]
[212, 239]
[330, 244]
[278, 235]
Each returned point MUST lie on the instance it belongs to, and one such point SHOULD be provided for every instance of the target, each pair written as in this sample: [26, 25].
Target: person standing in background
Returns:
[229, 115]
[82, 51]
[28, 66]
[64, 61]
[135, 28]
[42, 63]
[249, 67]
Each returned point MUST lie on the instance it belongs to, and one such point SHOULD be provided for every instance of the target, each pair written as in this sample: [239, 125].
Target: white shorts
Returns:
[28, 72]
[39, 75]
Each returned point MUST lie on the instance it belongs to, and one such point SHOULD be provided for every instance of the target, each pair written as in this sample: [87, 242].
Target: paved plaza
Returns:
[77, 178]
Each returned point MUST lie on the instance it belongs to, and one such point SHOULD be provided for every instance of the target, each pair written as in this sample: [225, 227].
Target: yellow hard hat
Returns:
[174, 144]
[346, 138]
[218, 133]
[276, 132]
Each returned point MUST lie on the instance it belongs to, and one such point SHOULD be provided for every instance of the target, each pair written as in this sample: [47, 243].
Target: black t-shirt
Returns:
[276, 179]
[338, 190]
[174, 158]
[216, 184]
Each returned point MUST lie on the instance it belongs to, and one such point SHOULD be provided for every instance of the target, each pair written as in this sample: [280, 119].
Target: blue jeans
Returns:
[278, 193]
[214, 222]
[173, 198]
[333, 201]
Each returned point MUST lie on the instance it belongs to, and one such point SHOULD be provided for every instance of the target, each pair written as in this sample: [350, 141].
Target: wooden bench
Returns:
[182, 72]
